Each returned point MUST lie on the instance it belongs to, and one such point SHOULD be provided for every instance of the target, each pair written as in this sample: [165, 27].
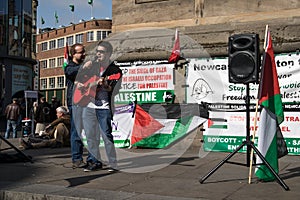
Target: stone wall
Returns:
[210, 23]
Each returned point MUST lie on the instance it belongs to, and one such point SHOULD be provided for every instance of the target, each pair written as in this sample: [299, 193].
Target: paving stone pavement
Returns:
[51, 176]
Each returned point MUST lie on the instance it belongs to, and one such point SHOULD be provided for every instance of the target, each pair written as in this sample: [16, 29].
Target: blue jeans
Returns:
[98, 122]
[76, 127]
[13, 124]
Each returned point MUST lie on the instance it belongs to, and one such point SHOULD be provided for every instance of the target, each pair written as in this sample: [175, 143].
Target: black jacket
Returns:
[71, 72]
[12, 111]
[43, 112]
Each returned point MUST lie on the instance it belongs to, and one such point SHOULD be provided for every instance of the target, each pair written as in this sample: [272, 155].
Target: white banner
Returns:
[208, 82]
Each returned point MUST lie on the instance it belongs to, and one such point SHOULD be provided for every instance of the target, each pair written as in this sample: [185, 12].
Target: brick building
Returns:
[50, 52]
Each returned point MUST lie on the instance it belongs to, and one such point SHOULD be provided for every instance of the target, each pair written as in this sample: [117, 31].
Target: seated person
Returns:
[57, 133]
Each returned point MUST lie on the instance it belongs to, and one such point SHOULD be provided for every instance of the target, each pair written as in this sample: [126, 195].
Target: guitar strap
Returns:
[101, 71]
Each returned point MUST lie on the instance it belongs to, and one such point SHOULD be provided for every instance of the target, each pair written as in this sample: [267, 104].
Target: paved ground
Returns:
[50, 176]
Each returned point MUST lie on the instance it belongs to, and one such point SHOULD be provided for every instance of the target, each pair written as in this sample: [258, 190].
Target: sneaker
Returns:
[92, 167]
[24, 144]
[79, 164]
[112, 170]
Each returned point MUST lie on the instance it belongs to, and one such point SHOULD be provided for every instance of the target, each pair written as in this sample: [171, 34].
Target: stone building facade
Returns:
[144, 29]
[210, 23]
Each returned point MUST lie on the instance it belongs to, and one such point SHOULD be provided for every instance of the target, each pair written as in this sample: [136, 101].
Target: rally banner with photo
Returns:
[208, 82]
[146, 84]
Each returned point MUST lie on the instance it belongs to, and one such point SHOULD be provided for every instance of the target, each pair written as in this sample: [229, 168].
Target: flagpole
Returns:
[255, 118]
[92, 10]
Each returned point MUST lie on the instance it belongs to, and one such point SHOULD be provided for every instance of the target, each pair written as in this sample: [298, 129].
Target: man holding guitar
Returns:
[102, 81]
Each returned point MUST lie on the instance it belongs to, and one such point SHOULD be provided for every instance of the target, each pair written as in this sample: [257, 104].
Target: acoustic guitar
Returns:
[83, 95]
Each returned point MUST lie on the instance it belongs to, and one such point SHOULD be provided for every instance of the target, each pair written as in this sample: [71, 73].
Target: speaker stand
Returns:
[250, 145]
[25, 157]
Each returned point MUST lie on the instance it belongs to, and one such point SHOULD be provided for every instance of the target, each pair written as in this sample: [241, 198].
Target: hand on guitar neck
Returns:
[103, 83]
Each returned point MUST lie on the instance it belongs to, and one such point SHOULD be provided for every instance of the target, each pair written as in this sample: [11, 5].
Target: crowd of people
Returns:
[42, 112]
[89, 110]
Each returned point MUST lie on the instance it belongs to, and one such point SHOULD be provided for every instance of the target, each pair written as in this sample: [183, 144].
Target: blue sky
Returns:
[46, 9]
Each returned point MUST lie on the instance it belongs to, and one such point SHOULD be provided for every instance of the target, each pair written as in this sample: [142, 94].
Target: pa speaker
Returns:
[243, 58]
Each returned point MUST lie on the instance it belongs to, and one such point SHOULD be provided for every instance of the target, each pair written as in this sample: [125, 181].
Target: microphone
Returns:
[95, 60]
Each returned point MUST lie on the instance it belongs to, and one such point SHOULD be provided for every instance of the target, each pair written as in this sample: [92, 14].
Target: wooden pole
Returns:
[255, 119]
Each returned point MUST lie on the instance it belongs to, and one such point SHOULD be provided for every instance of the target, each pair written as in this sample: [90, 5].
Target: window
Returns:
[36, 48]
[99, 35]
[90, 36]
[79, 38]
[52, 44]
[70, 40]
[44, 46]
[51, 82]
[43, 64]
[104, 34]
[60, 61]
[43, 83]
[60, 42]
[60, 81]
[52, 63]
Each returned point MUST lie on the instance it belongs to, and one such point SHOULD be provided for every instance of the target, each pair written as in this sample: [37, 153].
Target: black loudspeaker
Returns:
[243, 58]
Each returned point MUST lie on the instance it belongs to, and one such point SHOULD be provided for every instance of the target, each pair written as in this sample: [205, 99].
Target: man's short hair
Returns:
[73, 47]
[106, 45]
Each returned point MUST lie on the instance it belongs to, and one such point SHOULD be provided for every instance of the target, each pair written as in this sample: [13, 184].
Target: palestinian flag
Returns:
[170, 123]
[175, 55]
[66, 56]
[144, 125]
[270, 140]
[217, 123]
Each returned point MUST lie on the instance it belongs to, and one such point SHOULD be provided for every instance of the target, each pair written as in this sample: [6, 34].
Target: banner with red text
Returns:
[146, 84]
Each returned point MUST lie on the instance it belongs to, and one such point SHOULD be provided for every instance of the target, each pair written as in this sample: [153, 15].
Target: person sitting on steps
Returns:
[57, 133]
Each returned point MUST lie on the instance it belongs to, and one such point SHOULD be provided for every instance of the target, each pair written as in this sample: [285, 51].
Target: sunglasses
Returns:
[100, 51]
[82, 52]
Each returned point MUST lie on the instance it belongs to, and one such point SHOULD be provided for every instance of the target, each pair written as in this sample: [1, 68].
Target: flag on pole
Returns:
[42, 20]
[175, 55]
[56, 17]
[72, 7]
[66, 56]
[90, 2]
[270, 139]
